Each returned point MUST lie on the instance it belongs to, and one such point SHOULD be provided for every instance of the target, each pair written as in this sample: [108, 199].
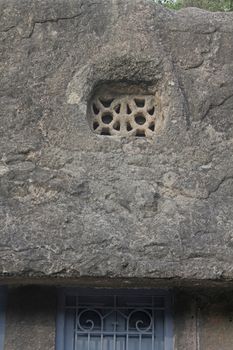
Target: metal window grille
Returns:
[114, 320]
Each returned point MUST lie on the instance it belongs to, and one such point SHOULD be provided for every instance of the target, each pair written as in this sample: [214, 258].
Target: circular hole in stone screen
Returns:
[140, 119]
[107, 118]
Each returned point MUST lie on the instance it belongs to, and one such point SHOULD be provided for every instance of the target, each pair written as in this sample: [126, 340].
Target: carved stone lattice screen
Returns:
[122, 321]
[124, 116]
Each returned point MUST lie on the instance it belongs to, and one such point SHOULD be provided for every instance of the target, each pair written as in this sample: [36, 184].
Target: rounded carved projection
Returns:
[124, 116]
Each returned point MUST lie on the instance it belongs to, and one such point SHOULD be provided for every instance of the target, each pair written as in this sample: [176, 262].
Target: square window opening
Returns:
[105, 319]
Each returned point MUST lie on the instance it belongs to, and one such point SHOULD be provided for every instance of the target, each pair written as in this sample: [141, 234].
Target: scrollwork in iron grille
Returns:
[135, 321]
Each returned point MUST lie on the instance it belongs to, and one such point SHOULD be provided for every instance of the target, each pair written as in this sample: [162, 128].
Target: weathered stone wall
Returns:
[203, 320]
[74, 203]
[30, 318]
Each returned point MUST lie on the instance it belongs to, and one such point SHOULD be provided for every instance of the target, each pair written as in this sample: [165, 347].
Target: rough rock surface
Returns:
[73, 203]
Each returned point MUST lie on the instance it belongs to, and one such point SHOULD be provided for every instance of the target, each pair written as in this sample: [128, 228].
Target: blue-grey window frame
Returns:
[63, 292]
[3, 302]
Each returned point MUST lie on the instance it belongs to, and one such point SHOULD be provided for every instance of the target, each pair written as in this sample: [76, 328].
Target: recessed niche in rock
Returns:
[124, 115]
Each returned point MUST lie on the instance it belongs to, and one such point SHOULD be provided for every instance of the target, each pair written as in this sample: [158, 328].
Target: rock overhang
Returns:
[75, 204]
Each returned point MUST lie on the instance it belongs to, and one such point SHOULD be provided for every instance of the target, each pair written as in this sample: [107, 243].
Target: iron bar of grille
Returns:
[127, 336]
[153, 325]
[76, 325]
[114, 323]
[88, 341]
[102, 336]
